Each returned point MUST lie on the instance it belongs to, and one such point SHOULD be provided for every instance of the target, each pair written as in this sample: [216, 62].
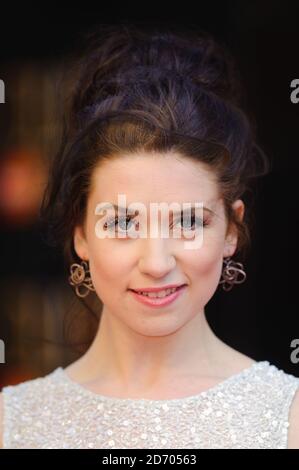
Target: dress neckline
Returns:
[60, 372]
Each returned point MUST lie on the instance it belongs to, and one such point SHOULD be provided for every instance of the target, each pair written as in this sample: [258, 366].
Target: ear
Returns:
[80, 242]
[231, 240]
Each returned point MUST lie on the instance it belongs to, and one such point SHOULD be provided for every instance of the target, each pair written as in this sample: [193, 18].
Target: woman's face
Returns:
[120, 264]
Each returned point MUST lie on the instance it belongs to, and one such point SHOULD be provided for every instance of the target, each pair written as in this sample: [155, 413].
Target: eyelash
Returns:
[115, 220]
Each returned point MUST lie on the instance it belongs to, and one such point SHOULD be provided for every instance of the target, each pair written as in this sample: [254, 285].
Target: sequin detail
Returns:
[248, 410]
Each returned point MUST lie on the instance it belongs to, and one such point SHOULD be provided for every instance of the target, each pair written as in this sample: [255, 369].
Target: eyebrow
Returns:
[125, 209]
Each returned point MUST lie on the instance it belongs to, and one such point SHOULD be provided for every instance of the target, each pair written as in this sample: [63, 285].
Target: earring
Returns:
[230, 274]
[80, 276]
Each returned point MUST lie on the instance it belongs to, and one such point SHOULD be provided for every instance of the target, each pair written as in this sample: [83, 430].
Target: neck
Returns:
[122, 356]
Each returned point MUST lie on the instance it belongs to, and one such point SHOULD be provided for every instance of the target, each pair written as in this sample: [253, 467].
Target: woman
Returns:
[154, 118]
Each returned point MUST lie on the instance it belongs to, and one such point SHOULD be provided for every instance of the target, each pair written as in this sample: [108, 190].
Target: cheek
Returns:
[108, 269]
[205, 270]
[206, 259]
[209, 257]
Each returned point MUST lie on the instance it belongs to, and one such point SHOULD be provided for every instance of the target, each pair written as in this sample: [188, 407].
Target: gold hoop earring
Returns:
[233, 273]
[80, 277]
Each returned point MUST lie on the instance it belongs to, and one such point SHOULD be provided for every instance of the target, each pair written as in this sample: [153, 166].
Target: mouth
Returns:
[155, 292]
[159, 299]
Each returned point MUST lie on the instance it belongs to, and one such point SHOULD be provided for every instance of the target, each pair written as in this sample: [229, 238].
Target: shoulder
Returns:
[272, 404]
[1, 420]
[284, 393]
[293, 439]
[22, 402]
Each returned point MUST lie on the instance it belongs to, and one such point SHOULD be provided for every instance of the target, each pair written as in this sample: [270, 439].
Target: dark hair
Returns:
[154, 91]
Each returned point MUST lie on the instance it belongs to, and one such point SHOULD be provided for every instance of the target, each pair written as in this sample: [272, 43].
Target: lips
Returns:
[157, 294]
[158, 289]
[157, 302]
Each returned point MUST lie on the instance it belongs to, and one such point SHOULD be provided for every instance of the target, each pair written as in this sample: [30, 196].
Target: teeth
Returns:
[162, 293]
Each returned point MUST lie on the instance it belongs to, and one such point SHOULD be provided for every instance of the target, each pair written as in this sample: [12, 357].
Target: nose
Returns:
[156, 258]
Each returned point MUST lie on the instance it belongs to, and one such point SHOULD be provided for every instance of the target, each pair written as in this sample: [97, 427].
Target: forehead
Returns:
[153, 177]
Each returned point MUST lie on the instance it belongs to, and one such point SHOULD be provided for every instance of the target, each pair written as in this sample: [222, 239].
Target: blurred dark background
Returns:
[261, 316]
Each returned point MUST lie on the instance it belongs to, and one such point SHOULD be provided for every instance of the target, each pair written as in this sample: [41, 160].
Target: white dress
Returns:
[248, 410]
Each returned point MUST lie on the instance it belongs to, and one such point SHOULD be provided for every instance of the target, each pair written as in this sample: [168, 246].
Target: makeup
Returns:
[159, 302]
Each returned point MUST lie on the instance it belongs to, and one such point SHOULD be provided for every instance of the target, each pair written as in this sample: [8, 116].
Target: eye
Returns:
[121, 222]
[192, 221]
[189, 223]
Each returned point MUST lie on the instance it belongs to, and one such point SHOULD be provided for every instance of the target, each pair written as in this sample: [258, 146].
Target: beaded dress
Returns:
[247, 410]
